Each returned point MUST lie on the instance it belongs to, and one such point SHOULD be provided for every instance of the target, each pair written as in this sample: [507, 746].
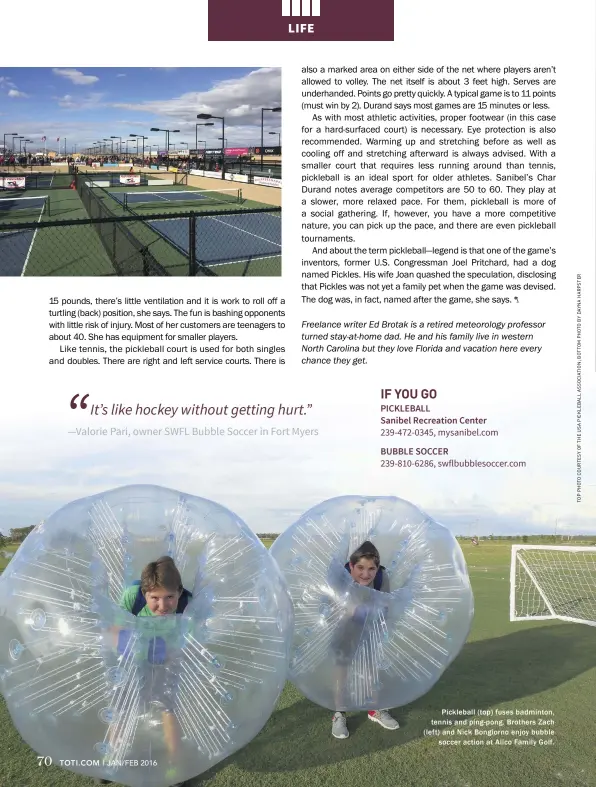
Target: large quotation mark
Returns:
[83, 403]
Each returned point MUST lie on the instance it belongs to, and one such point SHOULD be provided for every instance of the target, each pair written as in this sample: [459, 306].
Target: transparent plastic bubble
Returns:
[419, 559]
[70, 588]
[108, 715]
[15, 649]
[38, 619]
[279, 621]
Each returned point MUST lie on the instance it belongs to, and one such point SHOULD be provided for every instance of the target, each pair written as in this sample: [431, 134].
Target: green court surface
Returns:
[56, 251]
[529, 665]
[79, 251]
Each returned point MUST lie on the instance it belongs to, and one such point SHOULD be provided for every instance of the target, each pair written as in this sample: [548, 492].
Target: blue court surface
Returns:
[43, 181]
[158, 200]
[225, 239]
[16, 245]
[15, 248]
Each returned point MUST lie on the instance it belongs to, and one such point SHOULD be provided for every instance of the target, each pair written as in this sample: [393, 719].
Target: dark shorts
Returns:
[345, 641]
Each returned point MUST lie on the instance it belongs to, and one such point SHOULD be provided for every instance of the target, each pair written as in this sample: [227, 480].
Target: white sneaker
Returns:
[384, 718]
[339, 728]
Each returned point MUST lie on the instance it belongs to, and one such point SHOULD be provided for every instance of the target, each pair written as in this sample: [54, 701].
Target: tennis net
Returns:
[22, 207]
[160, 199]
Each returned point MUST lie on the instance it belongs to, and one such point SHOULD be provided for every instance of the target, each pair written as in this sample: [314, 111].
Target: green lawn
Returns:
[503, 665]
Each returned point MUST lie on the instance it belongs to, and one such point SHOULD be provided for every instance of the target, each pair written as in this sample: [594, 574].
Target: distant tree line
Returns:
[271, 536]
[16, 535]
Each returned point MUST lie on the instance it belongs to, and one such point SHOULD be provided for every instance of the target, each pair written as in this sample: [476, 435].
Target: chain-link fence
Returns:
[16, 181]
[213, 243]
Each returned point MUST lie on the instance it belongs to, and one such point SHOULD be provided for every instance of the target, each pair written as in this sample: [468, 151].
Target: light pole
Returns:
[266, 109]
[109, 139]
[20, 138]
[197, 140]
[4, 143]
[204, 116]
[140, 136]
[168, 132]
[204, 149]
[115, 136]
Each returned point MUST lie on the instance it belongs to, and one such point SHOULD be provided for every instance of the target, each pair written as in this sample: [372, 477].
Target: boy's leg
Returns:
[384, 718]
[172, 735]
[339, 727]
[173, 739]
[340, 686]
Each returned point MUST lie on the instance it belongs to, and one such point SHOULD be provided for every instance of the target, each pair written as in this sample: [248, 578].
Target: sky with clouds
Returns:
[270, 480]
[84, 105]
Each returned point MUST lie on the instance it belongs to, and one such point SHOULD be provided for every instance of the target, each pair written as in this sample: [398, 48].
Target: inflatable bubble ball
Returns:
[144, 699]
[357, 646]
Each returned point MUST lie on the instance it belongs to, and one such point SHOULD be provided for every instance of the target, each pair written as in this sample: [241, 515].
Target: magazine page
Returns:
[297, 468]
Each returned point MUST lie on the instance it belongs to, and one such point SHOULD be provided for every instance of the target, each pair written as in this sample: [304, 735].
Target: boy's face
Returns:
[161, 601]
[364, 571]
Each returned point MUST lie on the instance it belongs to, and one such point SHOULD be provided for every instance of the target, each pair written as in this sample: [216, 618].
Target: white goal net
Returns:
[550, 582]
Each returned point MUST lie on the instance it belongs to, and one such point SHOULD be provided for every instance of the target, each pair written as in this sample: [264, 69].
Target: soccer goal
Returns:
[550, 583]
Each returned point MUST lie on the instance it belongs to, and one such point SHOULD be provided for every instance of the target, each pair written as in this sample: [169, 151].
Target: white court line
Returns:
[32, 242]
[240, 260]
[273, 243]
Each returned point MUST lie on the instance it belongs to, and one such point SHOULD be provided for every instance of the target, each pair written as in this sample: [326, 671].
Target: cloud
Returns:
[7, 82]
[17, 94]
[239, 100]
[119, 76]
[90, 101]
[76, 77]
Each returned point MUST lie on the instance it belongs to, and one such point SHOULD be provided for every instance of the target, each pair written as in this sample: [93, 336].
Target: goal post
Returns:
[553, 583]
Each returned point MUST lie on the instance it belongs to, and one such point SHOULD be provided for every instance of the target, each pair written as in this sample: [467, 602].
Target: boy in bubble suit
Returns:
[159, 592]
[364, 566]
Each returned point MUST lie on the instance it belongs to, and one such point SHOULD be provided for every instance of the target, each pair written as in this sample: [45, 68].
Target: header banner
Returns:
[300, 20]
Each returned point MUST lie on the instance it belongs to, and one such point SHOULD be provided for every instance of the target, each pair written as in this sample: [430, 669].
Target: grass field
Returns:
[503, 665]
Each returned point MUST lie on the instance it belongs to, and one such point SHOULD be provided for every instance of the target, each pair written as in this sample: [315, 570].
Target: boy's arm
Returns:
[126, 601]
[128, 597]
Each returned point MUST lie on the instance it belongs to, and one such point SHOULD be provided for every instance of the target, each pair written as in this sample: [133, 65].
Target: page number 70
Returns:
[44, 761]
